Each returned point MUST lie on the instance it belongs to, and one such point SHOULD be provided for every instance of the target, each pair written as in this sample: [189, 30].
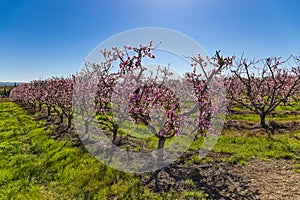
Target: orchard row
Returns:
[122, 89]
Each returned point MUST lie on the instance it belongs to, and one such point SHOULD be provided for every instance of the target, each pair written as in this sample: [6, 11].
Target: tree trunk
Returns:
[48, 111]
[69, 121]
[86, 125]
[263, 120]
[40, 107]
[61, 118]
[161, 142]
[115, 133]
[160, 156]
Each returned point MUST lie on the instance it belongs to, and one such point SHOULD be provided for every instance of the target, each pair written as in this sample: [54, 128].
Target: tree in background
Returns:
[262, 85]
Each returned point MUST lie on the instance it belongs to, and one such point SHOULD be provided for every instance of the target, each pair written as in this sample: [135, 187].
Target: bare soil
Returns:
[274, 179]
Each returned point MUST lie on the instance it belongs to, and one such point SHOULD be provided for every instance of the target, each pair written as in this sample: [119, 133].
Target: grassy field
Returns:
[243, 148]
[35, 166]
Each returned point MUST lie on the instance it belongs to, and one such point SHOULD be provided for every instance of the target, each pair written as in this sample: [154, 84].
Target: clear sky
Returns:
[44, 38]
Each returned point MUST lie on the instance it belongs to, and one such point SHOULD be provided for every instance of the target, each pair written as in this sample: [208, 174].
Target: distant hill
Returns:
[9, 83]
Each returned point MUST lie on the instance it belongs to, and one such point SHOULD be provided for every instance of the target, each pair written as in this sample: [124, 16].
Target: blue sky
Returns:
[40, 38]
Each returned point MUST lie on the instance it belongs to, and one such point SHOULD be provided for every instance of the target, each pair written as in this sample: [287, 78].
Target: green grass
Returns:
[195, 159]
[255, 118]
[243, 148]
[33, 166]
[293, 106]
[137, 131]
[297, 168]
[244, 117]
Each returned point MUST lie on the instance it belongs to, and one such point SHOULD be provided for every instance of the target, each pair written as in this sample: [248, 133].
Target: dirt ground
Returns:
[258, 179]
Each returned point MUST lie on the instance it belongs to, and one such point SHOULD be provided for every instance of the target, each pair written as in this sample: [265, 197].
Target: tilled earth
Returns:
[274, 179]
